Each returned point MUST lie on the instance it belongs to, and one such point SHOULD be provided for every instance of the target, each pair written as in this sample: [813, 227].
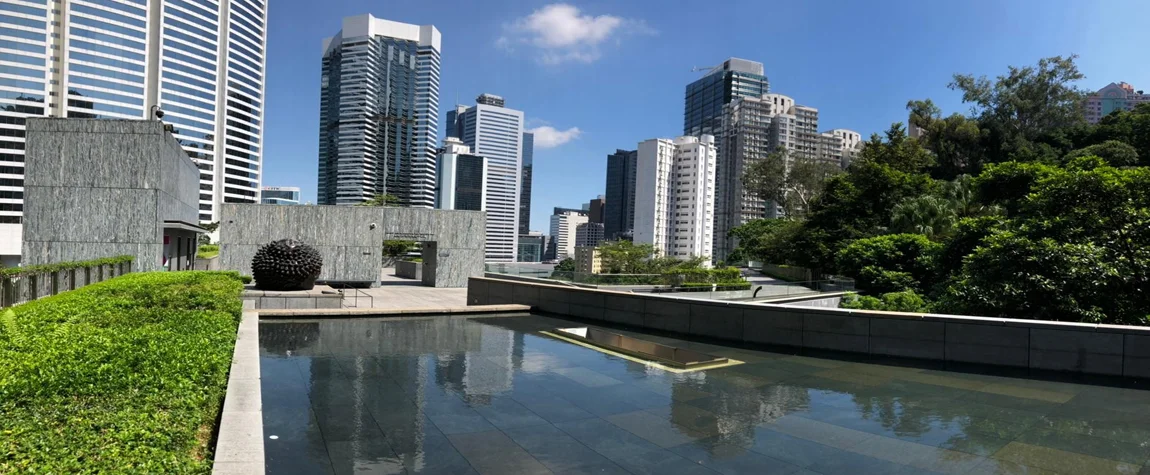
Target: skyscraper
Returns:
[563, 228]
[675, 196]
[588, 234]
[705, 98]
[754, 128]
[379, 112]
[595, 210]
[462, 177]
[200, 61]
[525, 183]
[619, 208]
[1114, 97]
[495, 133]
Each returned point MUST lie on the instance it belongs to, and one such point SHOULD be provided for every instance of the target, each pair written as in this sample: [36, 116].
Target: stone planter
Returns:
[409, 270]
[63, 281]
[43, 284]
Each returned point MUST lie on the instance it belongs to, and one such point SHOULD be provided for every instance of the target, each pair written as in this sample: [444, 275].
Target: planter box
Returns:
[409, 270]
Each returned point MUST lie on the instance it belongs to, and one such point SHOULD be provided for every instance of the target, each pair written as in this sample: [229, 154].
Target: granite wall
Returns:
[350, 238]
[98, 188]
[1112, 350]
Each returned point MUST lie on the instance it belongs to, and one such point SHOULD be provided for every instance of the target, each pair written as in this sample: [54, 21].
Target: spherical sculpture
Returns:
[286, 264]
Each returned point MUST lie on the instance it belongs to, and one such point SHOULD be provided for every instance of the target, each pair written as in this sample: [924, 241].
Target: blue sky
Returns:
[609, 74]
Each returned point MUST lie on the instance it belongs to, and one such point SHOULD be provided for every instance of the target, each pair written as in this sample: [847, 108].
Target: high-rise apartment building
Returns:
[563, 228]
[462, 177]
[755, 128]
[675, 196]
[200, 61]
[279, 195]
[379, 112]
[1114, 97]
[525, 183]
[619, 205]
[706, 97]
[496, 133]
[589, 234]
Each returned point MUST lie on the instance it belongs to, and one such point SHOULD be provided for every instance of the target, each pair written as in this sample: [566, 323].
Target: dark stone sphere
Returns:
[286, 264]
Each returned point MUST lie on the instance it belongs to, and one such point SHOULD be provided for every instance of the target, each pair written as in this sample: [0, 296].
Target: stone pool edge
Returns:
[240, 442]
[272, 314]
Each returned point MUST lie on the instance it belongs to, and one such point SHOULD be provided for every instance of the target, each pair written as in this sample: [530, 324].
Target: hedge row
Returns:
[722, 275]
[44, 268]
[122, 376]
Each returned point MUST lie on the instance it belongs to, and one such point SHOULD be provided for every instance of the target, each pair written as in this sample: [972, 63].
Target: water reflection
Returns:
[387, 395]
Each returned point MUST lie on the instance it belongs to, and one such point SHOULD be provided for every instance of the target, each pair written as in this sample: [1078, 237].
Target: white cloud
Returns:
[549, 137]
[561, 33]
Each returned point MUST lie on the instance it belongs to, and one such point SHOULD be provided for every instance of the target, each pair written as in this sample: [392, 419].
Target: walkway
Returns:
[394, 292]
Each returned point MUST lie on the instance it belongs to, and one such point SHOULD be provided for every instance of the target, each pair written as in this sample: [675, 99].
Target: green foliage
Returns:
[790, 181]
[967, 236]
[625, 257]
[1115, 153]
[122, 376]
[927, 215]
[721, 275]
[565, 265]
[44, 268]
[860, 203]
[382, 200]
[1129, 127]
[905, 301]
[767, 240]
[397, 247]
[208, 251]
[1007, 184]
[890, 263]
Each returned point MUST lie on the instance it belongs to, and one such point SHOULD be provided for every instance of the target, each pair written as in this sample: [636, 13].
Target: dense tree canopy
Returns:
[1019, 209]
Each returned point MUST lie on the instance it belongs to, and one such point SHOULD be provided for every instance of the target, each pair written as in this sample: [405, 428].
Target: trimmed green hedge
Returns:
[208, 251]
[122, 376]
[14, 271]
[721, 275]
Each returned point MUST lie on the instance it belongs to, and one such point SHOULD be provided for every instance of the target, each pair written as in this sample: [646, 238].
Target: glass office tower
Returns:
[200, 61]
[379, 112]
[705, 98]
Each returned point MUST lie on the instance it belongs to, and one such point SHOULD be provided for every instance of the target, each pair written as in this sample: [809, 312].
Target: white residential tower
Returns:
[675, 196]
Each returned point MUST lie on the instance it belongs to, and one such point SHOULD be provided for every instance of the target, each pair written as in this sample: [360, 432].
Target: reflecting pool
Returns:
[491, 395]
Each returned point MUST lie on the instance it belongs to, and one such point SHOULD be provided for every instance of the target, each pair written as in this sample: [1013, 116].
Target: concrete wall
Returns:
[1041, 345]
[409, 270]
[98, 188]
[350, 246]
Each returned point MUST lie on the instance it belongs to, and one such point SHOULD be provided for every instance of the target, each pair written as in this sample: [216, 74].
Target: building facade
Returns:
[525, 183]
[589, 234]
[531, 247]
[563, 228]
[595, 209]
[706, 97]
[588, 260]
[279, 195]
[1114, 97]
[496, 133]
[379, 112]
[461, 176]
[199, 61]
[675, 196]
[755, 128]
[619, 205]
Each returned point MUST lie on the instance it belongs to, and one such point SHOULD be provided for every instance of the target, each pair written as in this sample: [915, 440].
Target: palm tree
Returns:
[928, 215]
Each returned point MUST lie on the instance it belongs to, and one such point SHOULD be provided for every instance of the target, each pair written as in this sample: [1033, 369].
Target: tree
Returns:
[565, 265]
[625, 257]
[891, 263]
[1115, 153]
[767, 240]
[789, 180]
[381, 200]
[927, 215]
[1076, 247]
[955, 141]
[394, 248]
[1129, 127]
[859, 203]
[1017, 109]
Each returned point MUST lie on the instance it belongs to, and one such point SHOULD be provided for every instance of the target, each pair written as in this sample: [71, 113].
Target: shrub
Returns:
[36, 269]
[725, 275]
[126, 375]
[890, 263]
[906, 301]
[208, 251]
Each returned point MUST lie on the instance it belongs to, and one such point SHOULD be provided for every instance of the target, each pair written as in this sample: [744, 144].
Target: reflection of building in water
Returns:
[490, 371]
[738, 409]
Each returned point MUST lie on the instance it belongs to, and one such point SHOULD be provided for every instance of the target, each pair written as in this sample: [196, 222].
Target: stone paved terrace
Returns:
[394, 292]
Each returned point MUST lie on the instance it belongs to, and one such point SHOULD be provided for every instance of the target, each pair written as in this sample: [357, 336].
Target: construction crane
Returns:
[705, 68]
